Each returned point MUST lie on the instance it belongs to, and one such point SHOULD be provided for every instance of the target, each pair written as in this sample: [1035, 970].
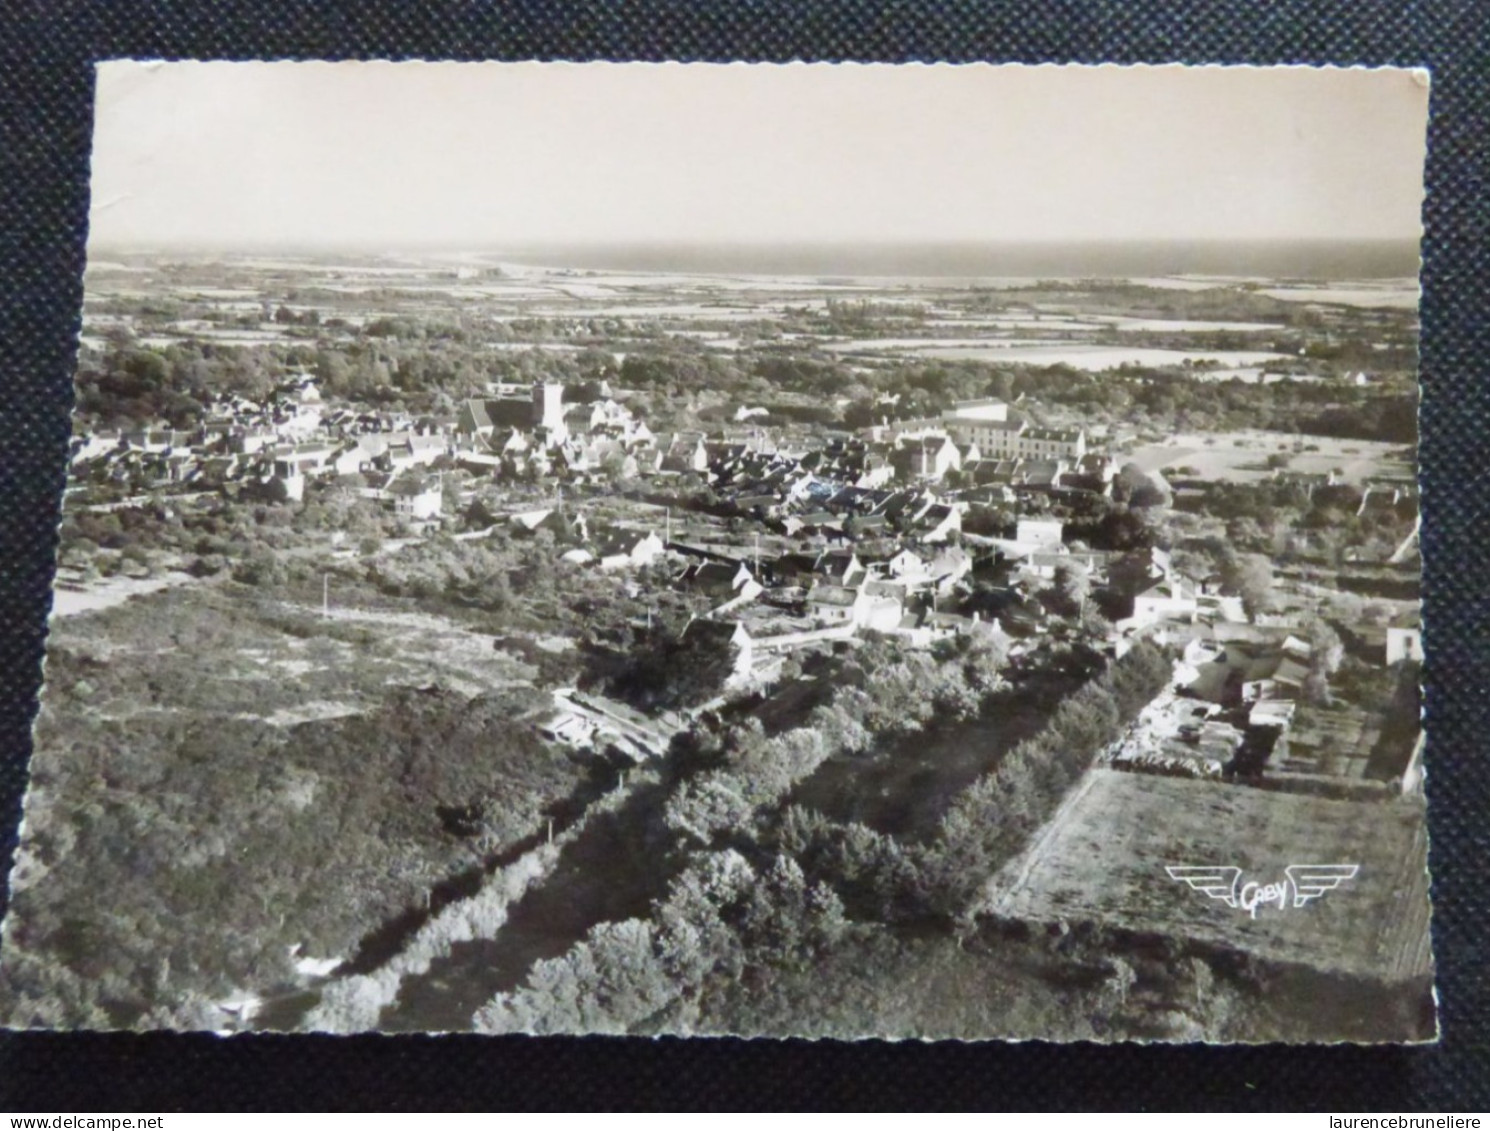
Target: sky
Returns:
[485, 155]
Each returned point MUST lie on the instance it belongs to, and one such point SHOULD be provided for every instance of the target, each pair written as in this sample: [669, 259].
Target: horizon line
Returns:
[493, 246]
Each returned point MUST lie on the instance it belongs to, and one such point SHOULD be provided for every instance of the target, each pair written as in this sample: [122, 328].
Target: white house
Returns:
[1215, 606]
[908, 565]
[309, 459]
[247, 441]
[927, 457]
[93, 445]
[409, 449]
[1043, 532]
[1165, 600]
[938, 523]
[840, 605]
[416, 499]
[627, 550]
[289, 476]
[299, 411]
[1404, 644]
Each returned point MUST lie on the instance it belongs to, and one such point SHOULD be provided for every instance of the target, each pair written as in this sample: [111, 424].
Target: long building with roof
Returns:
[996, 430]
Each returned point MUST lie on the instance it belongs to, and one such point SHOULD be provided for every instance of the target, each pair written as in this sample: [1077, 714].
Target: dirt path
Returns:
[68, 601]
[420, 622]
[1004, 884]
[611, 871]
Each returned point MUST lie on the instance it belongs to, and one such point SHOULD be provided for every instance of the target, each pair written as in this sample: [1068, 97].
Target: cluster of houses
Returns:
[534, 432]
[919, 481]
[992, 428]
[1389, 496]
[846, 487]
[1236, 692]
[854, 489]
[1234, 708]
[894, 492]
[278, 445]
[293, 438]
[780, 600]
[869, 535]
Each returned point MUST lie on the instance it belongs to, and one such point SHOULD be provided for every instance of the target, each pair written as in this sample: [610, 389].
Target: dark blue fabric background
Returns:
[46, 52]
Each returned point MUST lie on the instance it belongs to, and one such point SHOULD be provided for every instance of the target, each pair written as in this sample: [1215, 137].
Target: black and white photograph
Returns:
[808, 550]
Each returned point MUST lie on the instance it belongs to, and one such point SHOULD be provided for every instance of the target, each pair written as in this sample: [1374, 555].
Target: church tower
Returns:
[548, 405]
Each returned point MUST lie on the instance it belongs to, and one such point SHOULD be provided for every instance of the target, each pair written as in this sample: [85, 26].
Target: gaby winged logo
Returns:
[1301, 882]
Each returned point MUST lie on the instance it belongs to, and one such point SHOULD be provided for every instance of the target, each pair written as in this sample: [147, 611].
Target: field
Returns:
[1103, 857]
[246, 780]
[242, 301]
[1079, 356]
[1241, 456]
[212, 651]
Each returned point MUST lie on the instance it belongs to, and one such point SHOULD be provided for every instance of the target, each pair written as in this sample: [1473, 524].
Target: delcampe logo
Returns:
[1300, 884]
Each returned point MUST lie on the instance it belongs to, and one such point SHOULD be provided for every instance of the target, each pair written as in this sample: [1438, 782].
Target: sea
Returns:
[1280, 260]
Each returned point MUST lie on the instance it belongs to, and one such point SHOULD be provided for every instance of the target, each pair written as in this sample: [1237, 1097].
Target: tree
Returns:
[983, 660]
[1093, 624]
[858, 414]
[785, 921]
[1328, 649]
[1068, 589]
[1327, 652]
[670, 670]
[1251, 576]
[1123, 529]
[1140, 488]
[613, 465]
[450, 495]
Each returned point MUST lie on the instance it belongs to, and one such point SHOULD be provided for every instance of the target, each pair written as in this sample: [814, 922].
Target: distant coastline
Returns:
[1278, 260]
[1273, 259]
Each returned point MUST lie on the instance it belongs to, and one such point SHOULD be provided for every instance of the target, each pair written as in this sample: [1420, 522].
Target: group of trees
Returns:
[134, 386]
[722, 918]
[890, 879]
[994, 817]
[772, 894]
[1327, 653]
[881, 692]
[1286, 521]
[666, 668]
[178, 854]
[220, 534]
[423, 364]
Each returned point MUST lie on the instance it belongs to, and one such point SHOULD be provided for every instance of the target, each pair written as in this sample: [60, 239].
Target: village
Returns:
[972, 525]
[523, 600]
[554, 599]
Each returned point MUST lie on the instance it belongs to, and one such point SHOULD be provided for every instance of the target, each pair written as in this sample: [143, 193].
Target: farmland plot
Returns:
[1102, 858]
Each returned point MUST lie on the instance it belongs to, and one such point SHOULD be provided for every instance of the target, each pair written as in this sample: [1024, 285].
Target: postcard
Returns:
[814, 550]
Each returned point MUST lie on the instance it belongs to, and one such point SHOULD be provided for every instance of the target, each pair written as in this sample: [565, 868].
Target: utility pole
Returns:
[667, 529]
[757, 553]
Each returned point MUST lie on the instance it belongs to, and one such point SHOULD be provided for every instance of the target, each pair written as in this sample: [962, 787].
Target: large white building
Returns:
[1000, 434]
[995, 430]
